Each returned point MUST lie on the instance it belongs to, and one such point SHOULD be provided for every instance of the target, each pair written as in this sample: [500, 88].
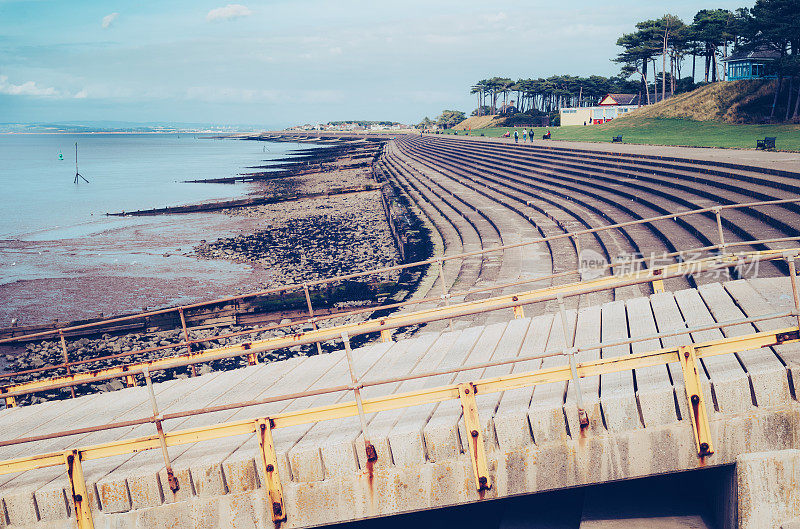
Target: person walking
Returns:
[516, 136]
[524, 135]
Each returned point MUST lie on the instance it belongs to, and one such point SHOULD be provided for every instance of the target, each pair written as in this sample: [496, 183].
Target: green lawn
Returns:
[661, 131]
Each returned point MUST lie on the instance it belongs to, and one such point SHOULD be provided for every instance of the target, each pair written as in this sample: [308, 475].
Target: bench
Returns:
[616, 139]
[766, 144]
[546, 136]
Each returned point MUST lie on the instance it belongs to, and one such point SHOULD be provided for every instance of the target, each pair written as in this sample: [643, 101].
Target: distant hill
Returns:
[480, 122]
[729, 101]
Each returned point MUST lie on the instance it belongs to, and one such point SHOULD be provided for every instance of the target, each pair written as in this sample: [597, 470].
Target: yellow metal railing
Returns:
[687, 356]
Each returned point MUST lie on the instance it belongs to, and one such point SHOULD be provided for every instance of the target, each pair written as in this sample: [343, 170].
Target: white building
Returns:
[610, 107]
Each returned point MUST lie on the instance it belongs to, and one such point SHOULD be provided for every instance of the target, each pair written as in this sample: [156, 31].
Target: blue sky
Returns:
[284, 62]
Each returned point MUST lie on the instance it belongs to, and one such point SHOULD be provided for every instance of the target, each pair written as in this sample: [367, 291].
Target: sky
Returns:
[284, 62]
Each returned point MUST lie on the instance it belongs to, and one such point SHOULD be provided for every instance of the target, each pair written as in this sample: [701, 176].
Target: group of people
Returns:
[525, 135]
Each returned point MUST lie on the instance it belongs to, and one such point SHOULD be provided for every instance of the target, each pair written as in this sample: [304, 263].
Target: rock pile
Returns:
[313, 239]
[317, 182]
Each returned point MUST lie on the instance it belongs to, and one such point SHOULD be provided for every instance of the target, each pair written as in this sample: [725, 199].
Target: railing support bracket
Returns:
[80, 496]
[697, 407]
[477, 449]
[270, 462]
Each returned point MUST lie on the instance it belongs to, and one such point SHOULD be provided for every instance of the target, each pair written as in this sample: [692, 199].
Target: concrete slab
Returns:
[546, 412]
[654, 391]
[618, 400]
[441, 433]
[587, 333]
[669, 319]
[512, 428]
[766, 372]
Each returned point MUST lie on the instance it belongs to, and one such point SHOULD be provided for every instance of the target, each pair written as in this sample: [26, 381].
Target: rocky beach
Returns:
[312, 239]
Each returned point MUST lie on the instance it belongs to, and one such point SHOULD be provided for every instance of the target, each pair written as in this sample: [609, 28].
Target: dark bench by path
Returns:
[616, 139]
[766, 144]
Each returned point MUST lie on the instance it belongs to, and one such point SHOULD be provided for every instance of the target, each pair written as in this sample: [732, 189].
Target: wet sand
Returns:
[121, 270]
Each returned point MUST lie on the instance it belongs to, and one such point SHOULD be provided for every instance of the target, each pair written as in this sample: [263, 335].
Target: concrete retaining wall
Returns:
[769, 489]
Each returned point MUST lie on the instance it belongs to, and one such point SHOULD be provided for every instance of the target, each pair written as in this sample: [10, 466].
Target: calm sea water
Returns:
[39, 201]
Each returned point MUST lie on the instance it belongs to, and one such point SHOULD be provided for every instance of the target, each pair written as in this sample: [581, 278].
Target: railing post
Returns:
[697, 406]
[173, 481]
[445, 296]
[270, 462]
[80, 496]
[186, 339]
[66, 359]
[311, 313]
[790, 257]
[577, 245]
[569, 346]
[722, 244]
[477, 449]
[372, 455]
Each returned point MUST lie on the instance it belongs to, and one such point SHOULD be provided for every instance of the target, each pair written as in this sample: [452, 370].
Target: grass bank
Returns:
[667, 131]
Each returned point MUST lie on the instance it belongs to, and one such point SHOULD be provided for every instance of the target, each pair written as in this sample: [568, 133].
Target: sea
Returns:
[62, 258]
[125, 172]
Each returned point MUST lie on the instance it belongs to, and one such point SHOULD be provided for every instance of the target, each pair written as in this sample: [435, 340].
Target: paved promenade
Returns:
[785, 161]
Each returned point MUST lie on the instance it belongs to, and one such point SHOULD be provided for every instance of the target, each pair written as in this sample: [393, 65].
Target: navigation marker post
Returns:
[77, 174]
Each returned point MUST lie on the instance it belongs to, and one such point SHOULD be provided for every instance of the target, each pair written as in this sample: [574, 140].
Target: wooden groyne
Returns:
[238, 203]
[336, 154]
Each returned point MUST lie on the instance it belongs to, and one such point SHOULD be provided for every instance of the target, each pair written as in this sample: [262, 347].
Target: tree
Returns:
[710, 28]
[450, 118]
[777, 25]
[425, 123]
[668, 26]
[495, 86]
[639, 48]
[481, 88]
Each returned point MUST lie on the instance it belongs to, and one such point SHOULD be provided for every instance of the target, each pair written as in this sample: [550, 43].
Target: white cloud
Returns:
[499, 17]
[335, 51]
[83, 94]
[109, 19]
[228, 12]
[29, 88]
